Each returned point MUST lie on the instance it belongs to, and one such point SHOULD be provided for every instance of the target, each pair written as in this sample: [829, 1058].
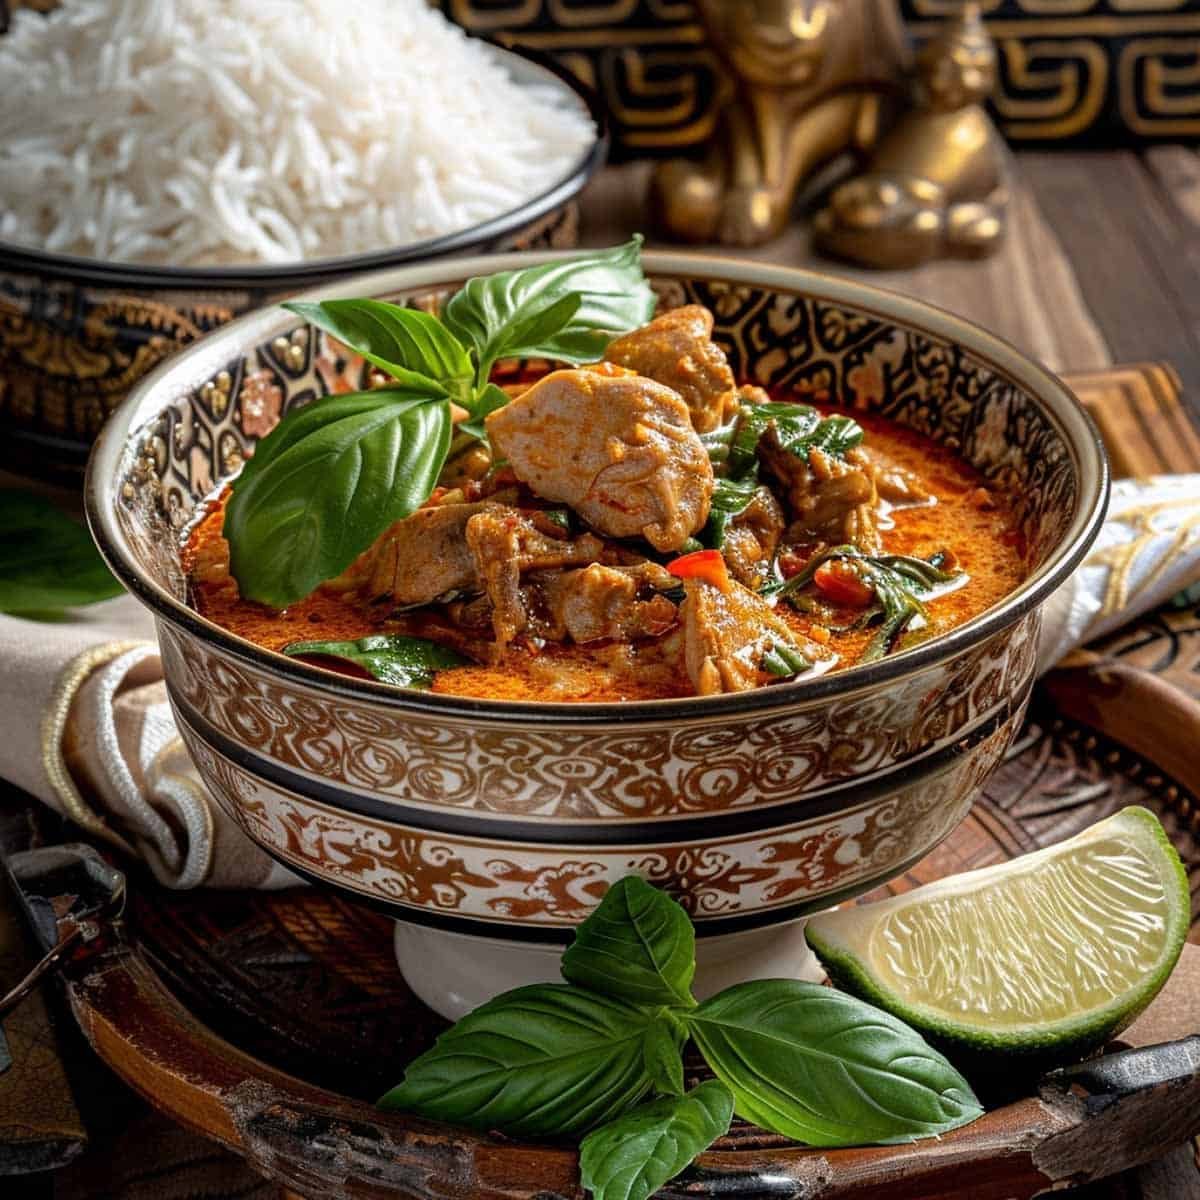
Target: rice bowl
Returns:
[207, 134]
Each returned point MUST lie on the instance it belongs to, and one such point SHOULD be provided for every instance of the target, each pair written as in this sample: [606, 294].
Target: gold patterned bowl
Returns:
[76, 334]
[484, 826]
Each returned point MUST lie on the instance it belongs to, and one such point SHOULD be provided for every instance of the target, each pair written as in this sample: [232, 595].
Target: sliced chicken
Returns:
[677, 349]
[897, 485]
[419, 558]
[598, 602]
[829, 499]
[619, 449]
[727, 633]
[752, 538]
[504, 545]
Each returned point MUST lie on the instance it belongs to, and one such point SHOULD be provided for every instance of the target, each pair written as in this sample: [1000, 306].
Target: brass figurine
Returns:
[937, 185]
[811, 80]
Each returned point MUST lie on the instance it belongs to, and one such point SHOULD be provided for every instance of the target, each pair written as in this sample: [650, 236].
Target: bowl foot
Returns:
[455, 972]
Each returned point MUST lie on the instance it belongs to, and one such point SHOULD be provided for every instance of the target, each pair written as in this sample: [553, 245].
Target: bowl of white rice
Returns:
[167, 165]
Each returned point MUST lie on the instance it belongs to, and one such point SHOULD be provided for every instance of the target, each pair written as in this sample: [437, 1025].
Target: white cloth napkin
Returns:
[86, 728]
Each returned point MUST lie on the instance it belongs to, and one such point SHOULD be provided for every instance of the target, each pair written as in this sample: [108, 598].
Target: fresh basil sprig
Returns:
[47, 561]
[633, 1156]
[390, 658]
[805, 1061]
[332, 476]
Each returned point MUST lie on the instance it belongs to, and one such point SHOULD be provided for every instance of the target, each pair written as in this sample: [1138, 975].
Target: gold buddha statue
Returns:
[936, 185]
[811, 79]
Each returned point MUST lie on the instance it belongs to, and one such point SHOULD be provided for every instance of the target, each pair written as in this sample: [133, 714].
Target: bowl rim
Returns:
[74, 268]
[181, 374]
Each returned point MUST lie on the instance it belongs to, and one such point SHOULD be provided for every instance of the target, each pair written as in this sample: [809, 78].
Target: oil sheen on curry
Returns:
[645, 528]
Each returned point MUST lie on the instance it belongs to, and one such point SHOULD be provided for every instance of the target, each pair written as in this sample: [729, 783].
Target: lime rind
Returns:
[843, 958]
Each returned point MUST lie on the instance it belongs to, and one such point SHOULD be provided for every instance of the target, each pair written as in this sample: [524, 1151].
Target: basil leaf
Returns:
[540, 1060]
[662, 1051]
[791, 420]
[898, 581]
[833, 436]
[390, 658]
[412, 346]
[47, 561]
[638, 944]
[325, 482]
[821, 1067]
[799, 428]
[633, 1156]
[532, 312]
[730, 498]
[489, 398]
[785, 661]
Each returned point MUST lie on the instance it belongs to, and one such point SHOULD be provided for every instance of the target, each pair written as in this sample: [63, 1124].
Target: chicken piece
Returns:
[677, 350]
[504, 545]
[830, 500]
[726, 634]
[598, 602]
[419, 558]
[620, 450]
[752, 538]
[897, 485]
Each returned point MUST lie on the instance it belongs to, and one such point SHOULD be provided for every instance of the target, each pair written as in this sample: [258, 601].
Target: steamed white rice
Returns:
[195, 132]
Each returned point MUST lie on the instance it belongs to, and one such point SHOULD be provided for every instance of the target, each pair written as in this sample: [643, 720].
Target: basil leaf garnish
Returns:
[824, 1068]
[663, 1054]
[388, 657]
[540, 1060]
[410, 345]
[47, 561]
[566, 310]
[637, 944]
[834, 436]
[632, 1157]
[792, 420]
[730, 498]
[326, 482]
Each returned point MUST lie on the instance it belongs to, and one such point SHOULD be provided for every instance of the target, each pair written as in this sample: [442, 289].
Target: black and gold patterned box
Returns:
[1095, 71]
[1085, 71]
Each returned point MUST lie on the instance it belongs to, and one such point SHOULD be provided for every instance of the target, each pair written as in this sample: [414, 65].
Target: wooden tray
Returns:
[270, 1021]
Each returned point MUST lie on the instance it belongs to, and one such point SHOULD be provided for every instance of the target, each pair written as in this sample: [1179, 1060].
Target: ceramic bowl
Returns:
[490, 828]
[77, 334]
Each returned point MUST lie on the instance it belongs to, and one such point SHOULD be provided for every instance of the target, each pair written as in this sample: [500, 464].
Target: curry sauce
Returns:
[963, 516]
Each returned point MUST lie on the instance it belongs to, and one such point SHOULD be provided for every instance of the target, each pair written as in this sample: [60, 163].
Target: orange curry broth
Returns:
[975, 524]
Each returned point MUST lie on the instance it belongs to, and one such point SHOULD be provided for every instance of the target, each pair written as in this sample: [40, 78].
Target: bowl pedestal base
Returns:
[455, 972]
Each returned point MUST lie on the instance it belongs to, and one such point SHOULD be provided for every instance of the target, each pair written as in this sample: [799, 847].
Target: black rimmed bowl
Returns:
[489, 828]
[76, 334]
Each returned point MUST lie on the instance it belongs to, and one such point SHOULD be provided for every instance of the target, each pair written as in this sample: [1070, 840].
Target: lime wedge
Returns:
[1054, 951]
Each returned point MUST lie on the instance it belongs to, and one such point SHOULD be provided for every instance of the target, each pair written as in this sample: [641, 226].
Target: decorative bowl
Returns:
[490, 828]
[76, 334]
